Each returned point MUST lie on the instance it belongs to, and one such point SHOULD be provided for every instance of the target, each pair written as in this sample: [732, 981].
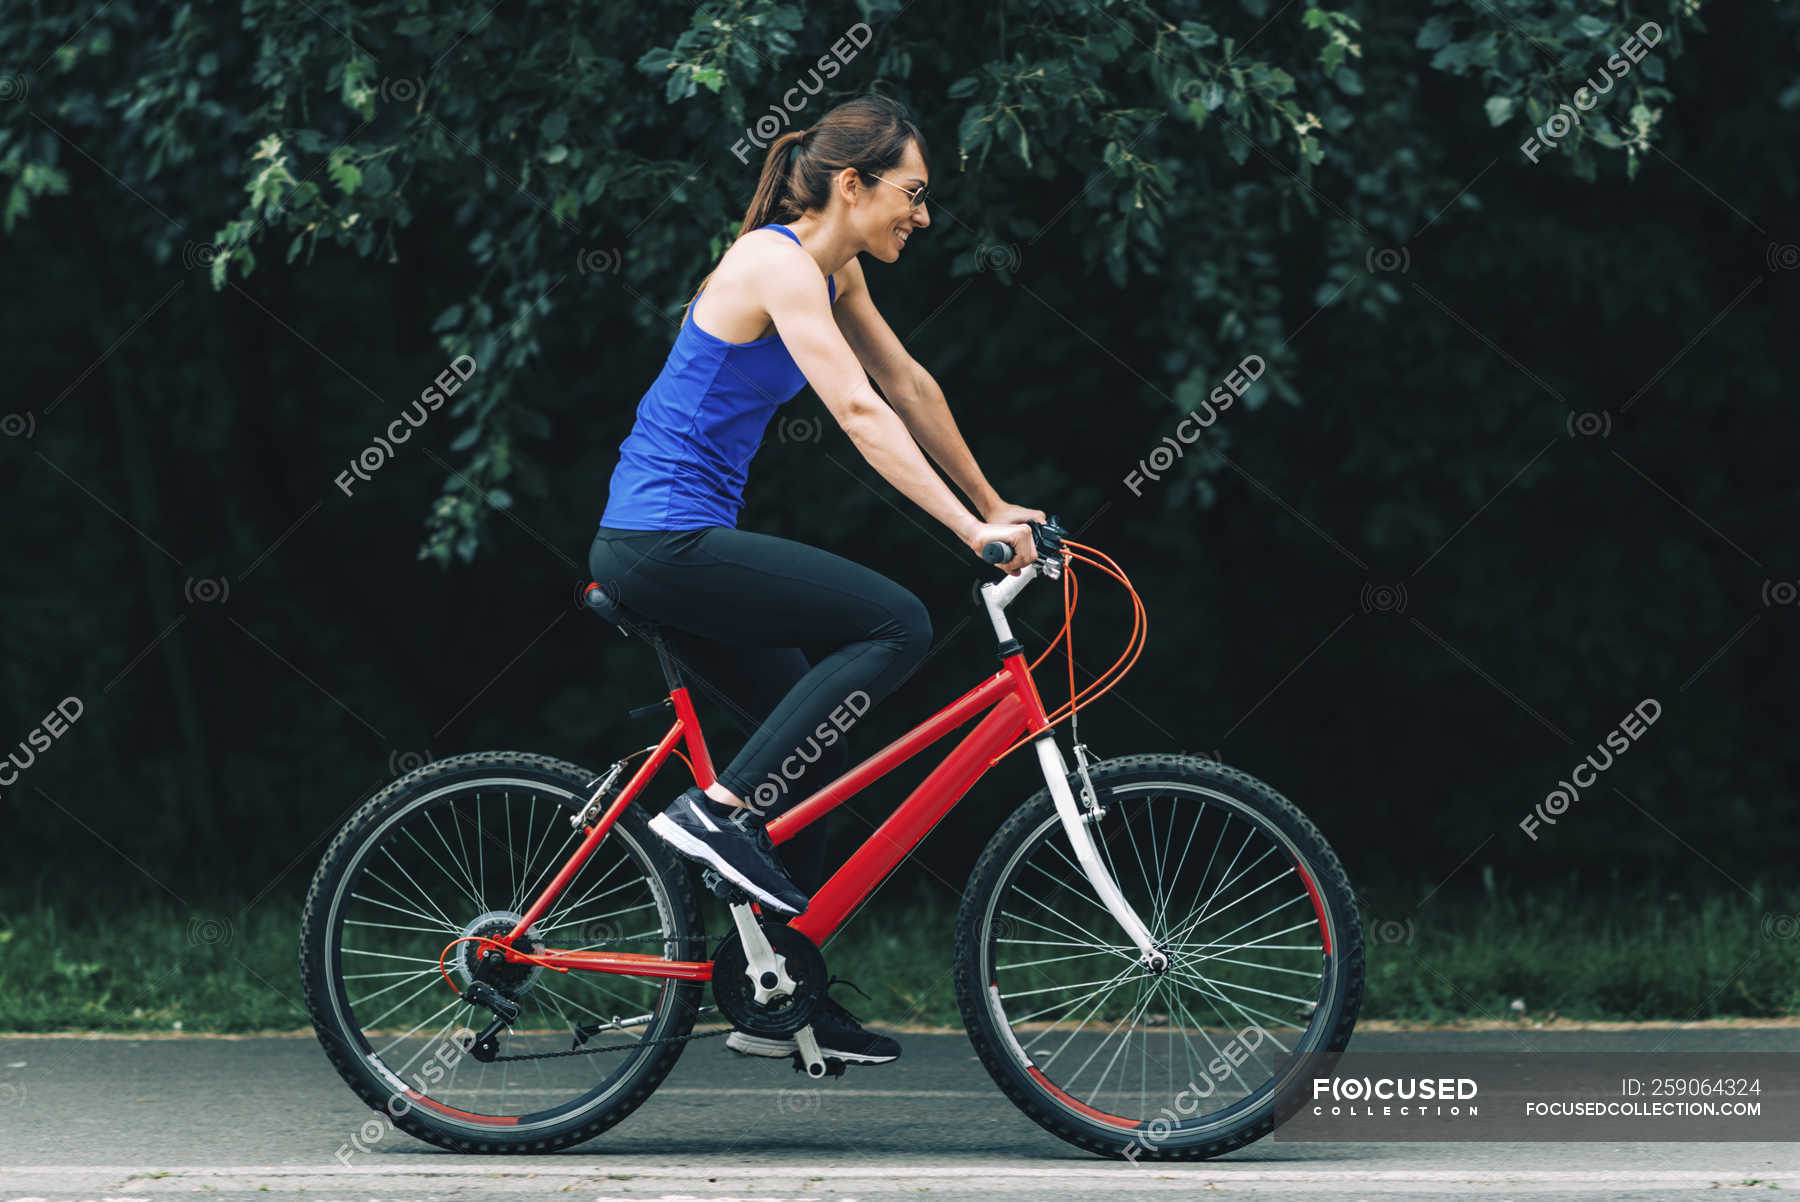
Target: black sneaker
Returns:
[839, 1033]
[741, 851]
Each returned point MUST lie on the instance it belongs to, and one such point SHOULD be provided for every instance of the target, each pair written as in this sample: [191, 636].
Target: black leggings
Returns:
[735, 609]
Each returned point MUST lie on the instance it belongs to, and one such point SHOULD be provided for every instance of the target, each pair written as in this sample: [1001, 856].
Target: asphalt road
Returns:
[87, 1118]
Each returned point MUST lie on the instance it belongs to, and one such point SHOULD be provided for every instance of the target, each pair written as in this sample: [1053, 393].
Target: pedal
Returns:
[833, 1066]
[723, 889]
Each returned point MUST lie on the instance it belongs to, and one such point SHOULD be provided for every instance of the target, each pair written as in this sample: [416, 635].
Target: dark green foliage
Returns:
[242, 238]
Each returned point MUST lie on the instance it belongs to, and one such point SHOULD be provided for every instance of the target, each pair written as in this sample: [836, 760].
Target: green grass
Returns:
[1567, 954]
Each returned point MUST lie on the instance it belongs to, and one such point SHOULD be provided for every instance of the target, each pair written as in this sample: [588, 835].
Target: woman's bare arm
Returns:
[790, 286]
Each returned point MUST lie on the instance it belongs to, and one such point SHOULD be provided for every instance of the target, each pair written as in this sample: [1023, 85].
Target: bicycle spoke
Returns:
[411, 976]
[1050, 960]
[555, 914]
[1207, 912]
[448, 875]
[569, 919]
[1218, 1053]
[1143, 873]
[531, 857]
[1206, 990]
[365, 976]
[1069, 882]
[426, 1046]
[1156, 892]
[1069, 1005]
[1055, 988]
[1299, 897]
[1299, 972]
[1050, 942]
[353, 951]
[424, 896]
[398, 892]
[1217, 984]
[375, 901]
[1106, 992]
[1199, 811]
[435, 983]
[545, 874]
[1131, 1016]
[390, 926]
[457, 1001]
[1057, 914]
[463, 846]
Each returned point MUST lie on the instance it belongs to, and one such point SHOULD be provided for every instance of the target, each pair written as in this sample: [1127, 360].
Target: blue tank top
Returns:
[685, 461]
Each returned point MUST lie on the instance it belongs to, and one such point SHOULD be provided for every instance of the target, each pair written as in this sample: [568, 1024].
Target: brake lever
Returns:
[1048, 537]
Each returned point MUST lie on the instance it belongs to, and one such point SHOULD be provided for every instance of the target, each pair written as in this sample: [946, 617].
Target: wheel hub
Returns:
[1159, 959]
[514, 980]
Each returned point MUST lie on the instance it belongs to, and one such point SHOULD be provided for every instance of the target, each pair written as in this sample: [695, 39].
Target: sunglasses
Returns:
[914, 196]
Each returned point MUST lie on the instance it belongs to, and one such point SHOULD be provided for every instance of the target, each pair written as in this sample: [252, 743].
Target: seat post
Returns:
[670, 666]
[608, 606]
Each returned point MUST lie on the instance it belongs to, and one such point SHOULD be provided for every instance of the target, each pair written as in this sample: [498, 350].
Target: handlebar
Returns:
[1046, 535]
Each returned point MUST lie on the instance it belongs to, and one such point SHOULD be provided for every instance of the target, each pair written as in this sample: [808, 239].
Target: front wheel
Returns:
[1265, 948]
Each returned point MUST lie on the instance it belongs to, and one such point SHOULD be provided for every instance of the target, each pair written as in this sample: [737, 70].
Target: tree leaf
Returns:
[345, 174]
[1434, 33]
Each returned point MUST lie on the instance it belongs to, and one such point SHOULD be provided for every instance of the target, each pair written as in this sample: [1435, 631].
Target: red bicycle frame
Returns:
[1010, 700]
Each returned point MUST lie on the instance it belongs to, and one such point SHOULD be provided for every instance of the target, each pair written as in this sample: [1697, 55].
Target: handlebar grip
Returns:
[997, 553]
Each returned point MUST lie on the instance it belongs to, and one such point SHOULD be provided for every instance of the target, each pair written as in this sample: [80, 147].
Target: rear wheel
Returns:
[1265, 948]
[462, 847]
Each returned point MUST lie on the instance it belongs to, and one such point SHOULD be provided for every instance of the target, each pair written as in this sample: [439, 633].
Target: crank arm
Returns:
[808, 1045]
[766, 969]
[1081, 839]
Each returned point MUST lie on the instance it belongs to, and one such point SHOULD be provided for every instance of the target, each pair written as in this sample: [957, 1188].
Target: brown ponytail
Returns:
[868, 133]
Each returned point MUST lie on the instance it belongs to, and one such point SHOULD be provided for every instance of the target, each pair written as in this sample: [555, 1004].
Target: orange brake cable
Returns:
[1133, 646]
[1116, 672]
[541, 963]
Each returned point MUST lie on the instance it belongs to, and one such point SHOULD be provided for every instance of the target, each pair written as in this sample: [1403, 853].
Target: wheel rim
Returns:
[1252, 973]
[440, 868]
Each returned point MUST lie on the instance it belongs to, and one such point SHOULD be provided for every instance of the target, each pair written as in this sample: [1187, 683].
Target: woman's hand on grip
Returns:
[1017, 536]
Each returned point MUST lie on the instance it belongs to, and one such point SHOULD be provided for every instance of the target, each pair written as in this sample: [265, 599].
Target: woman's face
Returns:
[885, 216]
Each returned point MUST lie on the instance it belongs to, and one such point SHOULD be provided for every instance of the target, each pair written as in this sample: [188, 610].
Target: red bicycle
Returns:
[1143, 949]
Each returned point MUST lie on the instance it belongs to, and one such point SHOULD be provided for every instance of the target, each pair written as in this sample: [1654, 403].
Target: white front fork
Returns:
[996, 596]
[1075, 825]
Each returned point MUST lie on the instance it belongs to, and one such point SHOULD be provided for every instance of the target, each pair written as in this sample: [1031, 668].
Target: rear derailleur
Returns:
[485, 1046]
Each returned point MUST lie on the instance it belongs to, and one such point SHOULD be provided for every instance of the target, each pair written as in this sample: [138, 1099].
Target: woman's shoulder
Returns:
[764, 249]
[763, 257]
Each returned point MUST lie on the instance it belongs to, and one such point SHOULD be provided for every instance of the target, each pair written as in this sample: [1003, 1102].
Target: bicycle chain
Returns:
[629, 1047]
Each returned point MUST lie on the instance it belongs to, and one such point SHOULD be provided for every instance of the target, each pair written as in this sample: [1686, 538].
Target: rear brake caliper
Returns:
[605, 784]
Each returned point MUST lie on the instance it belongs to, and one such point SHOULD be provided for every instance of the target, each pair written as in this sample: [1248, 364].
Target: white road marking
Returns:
[493, 1168]
[766, 1091]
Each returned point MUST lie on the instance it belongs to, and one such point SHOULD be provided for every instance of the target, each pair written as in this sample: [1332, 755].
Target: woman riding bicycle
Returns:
[787, 306]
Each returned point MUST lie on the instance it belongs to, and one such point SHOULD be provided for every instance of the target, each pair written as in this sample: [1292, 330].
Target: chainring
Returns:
[735, 993]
